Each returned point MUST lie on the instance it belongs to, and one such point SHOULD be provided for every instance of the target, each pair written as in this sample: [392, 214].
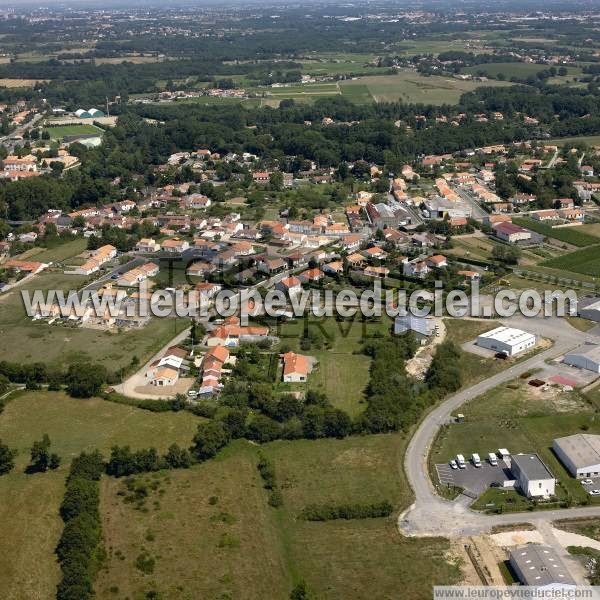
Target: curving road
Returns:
[432, 515]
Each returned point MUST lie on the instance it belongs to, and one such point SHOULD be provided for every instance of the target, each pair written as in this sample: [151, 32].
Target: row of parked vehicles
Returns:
[460, 463]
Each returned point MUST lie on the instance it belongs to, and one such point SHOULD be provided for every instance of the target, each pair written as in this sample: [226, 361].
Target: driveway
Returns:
[138, 379]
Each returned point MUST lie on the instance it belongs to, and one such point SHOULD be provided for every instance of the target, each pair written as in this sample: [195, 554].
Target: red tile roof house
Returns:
[377, 272]
[290, 285]
[175, 245]
[296, 367]
[334, 268]
[311, 275]
[437, 260]
[271, 265]
[231, 333]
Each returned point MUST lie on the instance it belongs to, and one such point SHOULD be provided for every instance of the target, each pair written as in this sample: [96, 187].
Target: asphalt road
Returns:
[432, 515]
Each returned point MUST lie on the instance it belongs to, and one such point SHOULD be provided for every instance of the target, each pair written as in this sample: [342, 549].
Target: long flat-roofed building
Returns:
[579, 453]
[509, 340]
[540, 566]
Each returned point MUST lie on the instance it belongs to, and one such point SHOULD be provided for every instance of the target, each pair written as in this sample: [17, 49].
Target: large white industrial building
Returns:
[507, 339]
[585, 357]
[579, 453]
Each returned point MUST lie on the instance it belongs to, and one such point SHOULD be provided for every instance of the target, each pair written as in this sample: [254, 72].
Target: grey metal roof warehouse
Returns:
[582, 449]
[531, 465]
[539, 565]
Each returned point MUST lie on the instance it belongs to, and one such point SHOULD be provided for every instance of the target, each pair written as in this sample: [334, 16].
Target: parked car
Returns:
[453, 464]
[594, 492]
[586, 482]
[192, 393]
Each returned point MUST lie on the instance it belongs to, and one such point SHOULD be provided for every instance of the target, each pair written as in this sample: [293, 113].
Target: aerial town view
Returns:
[299, 300]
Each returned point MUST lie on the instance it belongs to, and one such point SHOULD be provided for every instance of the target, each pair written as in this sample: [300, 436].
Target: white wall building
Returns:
[533, 477]
[579, 453]
[507, 339]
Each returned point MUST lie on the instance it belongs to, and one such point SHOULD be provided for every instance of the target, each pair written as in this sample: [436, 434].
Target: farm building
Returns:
[509, 340]
[540, 566]
[579, 453]
[533, 476]
[585, 357]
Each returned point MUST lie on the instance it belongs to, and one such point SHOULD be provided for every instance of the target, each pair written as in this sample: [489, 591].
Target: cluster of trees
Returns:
[42, 459]
[444, 375]
[123, 461]
[330, 512]
[266, 468]
[7, 459]
[81, 379]
[78, 544]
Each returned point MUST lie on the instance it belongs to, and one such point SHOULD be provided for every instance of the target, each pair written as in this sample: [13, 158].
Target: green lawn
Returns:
[27, 341]
[57, 253]
[569, 235]
[240, 547]
[59, 131]
[29, 504]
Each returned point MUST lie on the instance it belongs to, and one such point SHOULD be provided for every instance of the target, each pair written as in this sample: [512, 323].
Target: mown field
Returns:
[29, 521]
[509, 69]
[58, 132]
[212, 533]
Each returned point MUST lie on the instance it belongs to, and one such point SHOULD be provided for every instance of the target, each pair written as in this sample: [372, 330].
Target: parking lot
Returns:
[474, 479]
[594, 486]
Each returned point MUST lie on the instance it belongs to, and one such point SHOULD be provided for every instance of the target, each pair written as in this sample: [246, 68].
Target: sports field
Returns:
[60, 131]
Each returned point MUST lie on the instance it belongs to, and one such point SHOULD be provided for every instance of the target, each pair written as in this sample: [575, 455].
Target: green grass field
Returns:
[60, 131]
[238, 546]
[30, 523]
[590, 140]
[28, 341]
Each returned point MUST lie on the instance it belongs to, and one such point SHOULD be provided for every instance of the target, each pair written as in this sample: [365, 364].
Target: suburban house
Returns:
[296, 367]
[147, 245]
[333, 268]
[212, 369]
[271, 265]
[437, 261]
[24, 266]
[377, 272]
[415, 268]
[290, 285]
[175, 246]
[231, 333]
[97, 258]
[166, 370]
[311, 275]
[137, 275]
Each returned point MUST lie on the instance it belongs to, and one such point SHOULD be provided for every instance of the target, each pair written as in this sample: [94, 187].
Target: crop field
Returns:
[29, 504]
[20, 83]
[59, 131]
[585, 261]
[409, 86]
[569, 235]
[590, 140]
[212, 534]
